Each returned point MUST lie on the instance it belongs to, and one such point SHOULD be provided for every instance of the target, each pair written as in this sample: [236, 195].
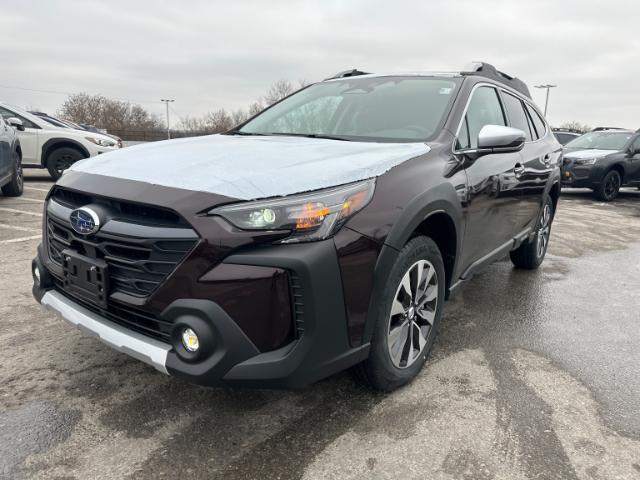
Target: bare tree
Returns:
[255, 108]
[107, 113]
[277, 91]
[239, 116]
[193, 126]
[219, 121]
[575, 125]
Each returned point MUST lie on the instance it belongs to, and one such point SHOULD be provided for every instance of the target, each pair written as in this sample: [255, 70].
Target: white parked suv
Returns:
[56, 149]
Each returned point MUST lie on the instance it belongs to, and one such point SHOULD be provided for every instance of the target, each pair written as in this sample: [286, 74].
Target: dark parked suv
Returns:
[324, 233]
[603, 160]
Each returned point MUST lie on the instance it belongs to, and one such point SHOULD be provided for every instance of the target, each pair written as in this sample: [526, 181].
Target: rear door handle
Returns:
[518, 169]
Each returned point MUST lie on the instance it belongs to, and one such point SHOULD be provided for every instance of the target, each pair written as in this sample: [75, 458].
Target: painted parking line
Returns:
[45, 190]
[23, 239]
[16, 227]
[24, 212]
[27, 199]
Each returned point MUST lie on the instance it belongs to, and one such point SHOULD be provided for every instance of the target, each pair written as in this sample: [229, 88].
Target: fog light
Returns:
[36, 274]
[190, 340]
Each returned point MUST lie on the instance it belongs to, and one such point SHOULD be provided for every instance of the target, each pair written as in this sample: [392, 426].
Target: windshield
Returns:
[53, 121]
[601, 140]
[400, 109]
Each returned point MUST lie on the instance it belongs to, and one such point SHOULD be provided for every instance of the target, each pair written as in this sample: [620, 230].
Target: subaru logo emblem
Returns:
[84, 221]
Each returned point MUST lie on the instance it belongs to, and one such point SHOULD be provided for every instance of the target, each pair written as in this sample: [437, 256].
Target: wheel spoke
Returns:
[419, 275]
[397, 341]
[412, 314]
[427, 315]
[430, 274]
[397, 308]
[421, 340]
[406, 284]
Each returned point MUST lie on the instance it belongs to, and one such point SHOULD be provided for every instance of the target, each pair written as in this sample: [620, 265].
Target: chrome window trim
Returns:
[466, 108]
[522, 99]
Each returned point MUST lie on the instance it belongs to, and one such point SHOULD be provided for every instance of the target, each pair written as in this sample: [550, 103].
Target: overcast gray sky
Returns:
[213, 54]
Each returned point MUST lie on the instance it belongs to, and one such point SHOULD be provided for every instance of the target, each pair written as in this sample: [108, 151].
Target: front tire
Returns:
[407, 316]
[530, 255]
[15, 187]
[61, 159]
[610, 186]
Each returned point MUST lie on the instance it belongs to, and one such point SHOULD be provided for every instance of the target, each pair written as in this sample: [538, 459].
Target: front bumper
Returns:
[581, 176]
[145, 349]
[229, 357]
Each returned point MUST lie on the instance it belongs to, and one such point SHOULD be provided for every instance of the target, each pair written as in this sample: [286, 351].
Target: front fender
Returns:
[440, 199]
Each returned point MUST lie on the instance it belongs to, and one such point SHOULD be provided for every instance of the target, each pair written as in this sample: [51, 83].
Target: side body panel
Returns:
[5, 149]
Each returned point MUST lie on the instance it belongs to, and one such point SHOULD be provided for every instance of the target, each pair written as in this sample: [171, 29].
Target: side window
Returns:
[635, 146]
[517, 116]
[8, 114]
[538, 123]
[484, 109]
[532, 128]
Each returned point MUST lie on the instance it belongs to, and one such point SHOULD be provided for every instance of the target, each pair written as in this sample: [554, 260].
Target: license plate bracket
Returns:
[85, 277]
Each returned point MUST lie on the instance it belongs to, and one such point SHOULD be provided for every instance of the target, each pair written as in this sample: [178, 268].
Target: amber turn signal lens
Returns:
[311, 215]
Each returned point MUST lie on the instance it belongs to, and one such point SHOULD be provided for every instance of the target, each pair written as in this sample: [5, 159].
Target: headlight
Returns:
[586, 161]
[312, 216]
[101, 141]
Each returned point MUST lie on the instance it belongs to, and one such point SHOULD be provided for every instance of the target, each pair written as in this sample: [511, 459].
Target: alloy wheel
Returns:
[413, 313]
[19, 171]
[544, 230]
[612, 186]
[63, 162]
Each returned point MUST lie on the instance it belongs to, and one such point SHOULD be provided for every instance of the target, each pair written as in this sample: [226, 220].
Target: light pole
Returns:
[548, 86]
[166, 102]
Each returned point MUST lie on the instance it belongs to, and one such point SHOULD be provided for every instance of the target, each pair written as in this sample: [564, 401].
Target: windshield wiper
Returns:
[312, 135]
[238, 132]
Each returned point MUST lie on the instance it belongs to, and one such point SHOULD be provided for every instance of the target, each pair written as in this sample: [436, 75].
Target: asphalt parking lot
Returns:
[534, 375]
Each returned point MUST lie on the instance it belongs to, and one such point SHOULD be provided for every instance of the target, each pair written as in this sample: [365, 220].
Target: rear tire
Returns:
[61, 159]
[15, 187]
[530, 255]
[610, 186]
[406, 321]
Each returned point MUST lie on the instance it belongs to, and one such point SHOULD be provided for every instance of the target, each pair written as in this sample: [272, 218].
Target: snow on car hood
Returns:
[251, 167]
[590, 153]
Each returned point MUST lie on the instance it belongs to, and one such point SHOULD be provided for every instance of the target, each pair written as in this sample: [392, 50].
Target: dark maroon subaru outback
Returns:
[324, 233]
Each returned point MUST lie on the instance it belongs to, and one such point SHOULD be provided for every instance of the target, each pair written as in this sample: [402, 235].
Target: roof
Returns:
[567, 130]
[480, 69]
[603, 129]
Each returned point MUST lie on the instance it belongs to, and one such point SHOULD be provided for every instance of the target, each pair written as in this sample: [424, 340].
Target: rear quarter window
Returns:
[538, 123]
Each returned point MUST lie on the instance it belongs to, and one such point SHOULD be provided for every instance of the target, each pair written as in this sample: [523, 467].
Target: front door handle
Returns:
[518, 169]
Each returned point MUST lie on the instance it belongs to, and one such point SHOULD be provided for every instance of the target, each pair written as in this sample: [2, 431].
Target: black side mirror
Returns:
[496, 139]
[16, 123]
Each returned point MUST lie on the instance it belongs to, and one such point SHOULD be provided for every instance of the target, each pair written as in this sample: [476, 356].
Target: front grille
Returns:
[141, 244]
[136, 265]
[143, 214]
[127, 317]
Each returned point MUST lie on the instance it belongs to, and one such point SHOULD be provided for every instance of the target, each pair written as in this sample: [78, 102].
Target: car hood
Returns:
[82, 134]
[588, 153]
[251, 167]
